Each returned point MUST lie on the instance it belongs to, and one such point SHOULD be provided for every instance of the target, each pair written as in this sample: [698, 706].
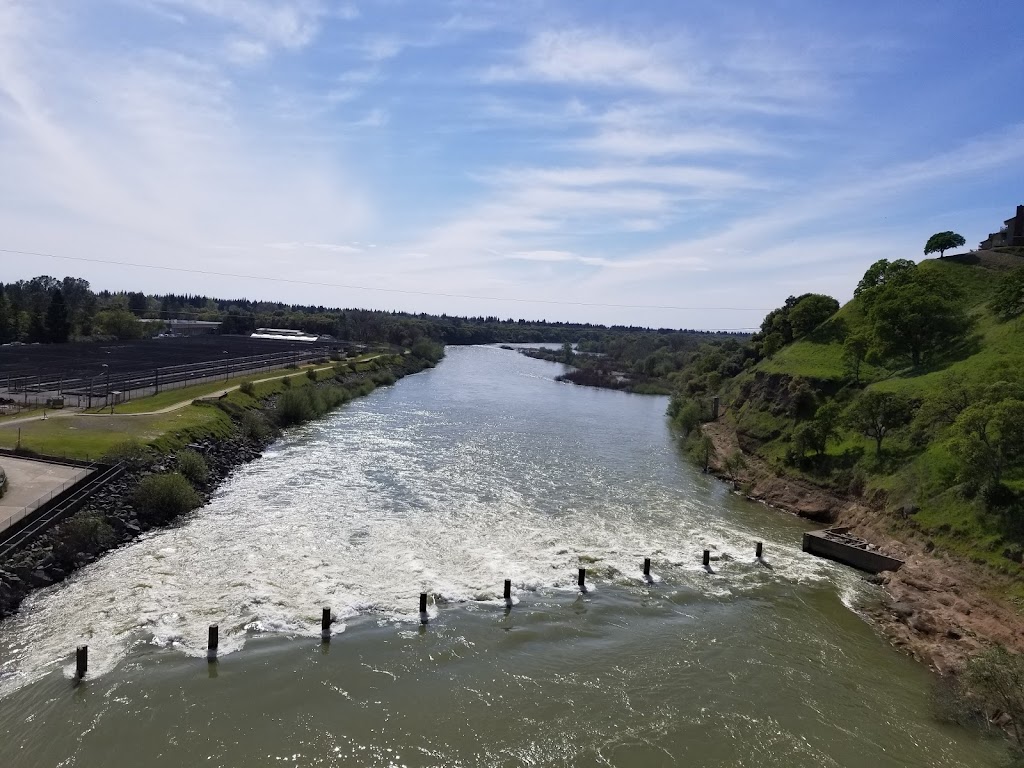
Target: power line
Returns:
[384, 290]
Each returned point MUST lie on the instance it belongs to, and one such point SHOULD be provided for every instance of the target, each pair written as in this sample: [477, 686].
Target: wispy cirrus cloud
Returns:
[587, 57]
[289, 24]
[735, 152]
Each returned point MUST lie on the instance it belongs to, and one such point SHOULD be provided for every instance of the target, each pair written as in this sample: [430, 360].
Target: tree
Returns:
[988, 437]
[815, 434]
[772, 343]
[58, 327]
[827, 420]
[995, 678]
[702, 450]
[567, 353]
[942, 242]
[918, 316]
[876, 414]
[119, 323]
[7, 321]
[883, 272]
[810, 312]
[855, 350]
[1008, 298]
[688, 417]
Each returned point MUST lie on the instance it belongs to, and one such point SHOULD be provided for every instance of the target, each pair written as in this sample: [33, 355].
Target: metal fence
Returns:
[106, 389]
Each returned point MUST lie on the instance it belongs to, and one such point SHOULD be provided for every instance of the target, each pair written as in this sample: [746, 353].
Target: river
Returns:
[449, 482]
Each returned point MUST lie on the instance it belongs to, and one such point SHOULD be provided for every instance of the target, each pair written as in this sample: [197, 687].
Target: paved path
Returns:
[29, 481]
[174, 407]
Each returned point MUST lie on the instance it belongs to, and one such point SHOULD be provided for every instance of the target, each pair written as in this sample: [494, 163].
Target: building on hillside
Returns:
[284, 334]
[1012, 233]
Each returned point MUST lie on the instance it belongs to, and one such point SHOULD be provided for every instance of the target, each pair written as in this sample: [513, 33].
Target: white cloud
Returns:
[706, 179]
[288, 24]
[147, 157]
[241, 51]
[375, 118]
[586, 57]
[647, 144]
[382, 48]
[333, 247]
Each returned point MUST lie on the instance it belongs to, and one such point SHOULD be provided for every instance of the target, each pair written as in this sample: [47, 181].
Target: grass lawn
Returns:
[90, 437]
[188, 394]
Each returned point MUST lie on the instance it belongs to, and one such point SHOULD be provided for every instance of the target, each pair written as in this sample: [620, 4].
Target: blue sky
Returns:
[676, 164]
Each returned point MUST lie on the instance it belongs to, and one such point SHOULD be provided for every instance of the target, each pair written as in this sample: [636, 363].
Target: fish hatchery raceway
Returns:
[226, 438]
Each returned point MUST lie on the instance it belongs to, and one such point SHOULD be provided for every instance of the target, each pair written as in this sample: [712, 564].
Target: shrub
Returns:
[688, 417]
[428, 350]
[295, 406]
[86, 533]
[193, 466]
[161, 498]
[383, 378]
[255, 427]
[286, 382]
[130, 451]
[247, 388]
[311, 374]
[995, 680]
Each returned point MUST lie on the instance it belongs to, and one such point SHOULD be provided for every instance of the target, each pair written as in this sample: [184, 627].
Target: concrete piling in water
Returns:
[581, 580]
[423, 608]
[647, 569]
[325, 625]
[211, 643]
[707, 558]
[508, 591]
[758, 550]
[81, 661]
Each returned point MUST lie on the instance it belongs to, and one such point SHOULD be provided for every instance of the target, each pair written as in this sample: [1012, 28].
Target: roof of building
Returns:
[283, 333]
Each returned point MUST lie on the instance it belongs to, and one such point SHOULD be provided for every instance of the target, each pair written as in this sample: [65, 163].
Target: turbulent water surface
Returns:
[448, 483]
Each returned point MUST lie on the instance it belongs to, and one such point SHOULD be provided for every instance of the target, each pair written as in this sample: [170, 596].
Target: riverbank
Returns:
[938, 609]
[590, 370]
[233, 430]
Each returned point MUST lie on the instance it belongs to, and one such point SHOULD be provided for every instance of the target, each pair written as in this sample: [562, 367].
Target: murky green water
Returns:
[449, 482]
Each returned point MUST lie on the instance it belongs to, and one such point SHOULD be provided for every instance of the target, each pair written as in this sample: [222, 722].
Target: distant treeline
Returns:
[47, 310]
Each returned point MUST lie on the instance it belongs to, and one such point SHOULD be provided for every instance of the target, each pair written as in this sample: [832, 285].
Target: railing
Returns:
[89, 481]
[38, 390]
[28, 509]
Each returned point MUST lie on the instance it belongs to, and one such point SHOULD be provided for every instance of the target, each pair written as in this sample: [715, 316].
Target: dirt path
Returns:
[938, 609]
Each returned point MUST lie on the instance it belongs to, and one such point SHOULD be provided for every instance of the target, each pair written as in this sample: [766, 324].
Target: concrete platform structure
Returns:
[837, 544]
[30, 483]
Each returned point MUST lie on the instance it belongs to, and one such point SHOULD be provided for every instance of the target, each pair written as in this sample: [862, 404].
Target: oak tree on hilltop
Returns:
[942, 242]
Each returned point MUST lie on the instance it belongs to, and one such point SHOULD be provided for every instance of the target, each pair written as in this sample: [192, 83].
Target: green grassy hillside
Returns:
[923, 475]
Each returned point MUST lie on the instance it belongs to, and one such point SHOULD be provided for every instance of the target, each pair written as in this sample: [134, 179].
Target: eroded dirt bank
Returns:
[938, 609]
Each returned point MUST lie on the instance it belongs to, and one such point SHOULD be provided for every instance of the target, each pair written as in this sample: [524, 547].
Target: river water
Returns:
[449, 482]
